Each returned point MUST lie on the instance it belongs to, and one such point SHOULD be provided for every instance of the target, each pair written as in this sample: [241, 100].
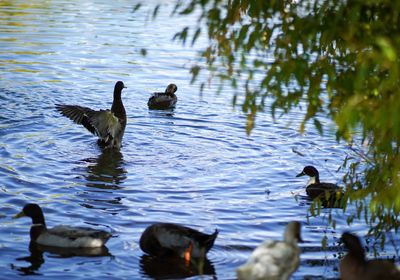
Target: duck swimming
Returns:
[328, 193]
[61, 236]
[163, 100]
[355, 266]
[108, 125]
[274, 259]
[167, 239]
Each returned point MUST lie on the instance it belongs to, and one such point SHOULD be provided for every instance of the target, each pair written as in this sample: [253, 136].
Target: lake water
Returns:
[194, 166]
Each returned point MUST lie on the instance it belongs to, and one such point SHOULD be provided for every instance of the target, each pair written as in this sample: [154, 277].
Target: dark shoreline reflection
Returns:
[174, 268]
[36, 258]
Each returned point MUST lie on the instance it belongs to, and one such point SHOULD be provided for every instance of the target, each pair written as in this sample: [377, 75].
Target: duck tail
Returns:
[209, 240]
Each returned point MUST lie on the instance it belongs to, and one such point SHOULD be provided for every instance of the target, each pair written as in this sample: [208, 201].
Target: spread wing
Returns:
[78, 114]
[102, 123]
[105, 123]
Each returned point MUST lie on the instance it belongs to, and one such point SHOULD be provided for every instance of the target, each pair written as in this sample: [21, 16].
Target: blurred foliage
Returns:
[335, 57]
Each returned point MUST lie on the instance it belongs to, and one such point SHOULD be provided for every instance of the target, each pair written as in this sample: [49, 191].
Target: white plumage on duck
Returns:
[61, 236]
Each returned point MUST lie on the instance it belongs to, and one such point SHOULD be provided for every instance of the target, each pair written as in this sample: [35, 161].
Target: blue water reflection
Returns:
[193, 165]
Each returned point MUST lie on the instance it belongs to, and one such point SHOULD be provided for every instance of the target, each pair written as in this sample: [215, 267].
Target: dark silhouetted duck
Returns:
[163, 100]
[328, 193]
[166, 239]
[355, 266]
[108, 125]
[61, 236]
[274, 259]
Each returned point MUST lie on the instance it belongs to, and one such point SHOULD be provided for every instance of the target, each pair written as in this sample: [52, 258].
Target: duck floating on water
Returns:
[355, 266]
[274, 259]
[164, 100]
[329, 194]
[167, 239]
[61, 236]
[108, 125]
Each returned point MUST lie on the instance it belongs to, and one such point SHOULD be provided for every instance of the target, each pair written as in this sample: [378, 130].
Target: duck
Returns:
[355, 266]
[163, 100]
[168, 239]
[61, 236]
[108, 125]
[328, 193]
[276, 260]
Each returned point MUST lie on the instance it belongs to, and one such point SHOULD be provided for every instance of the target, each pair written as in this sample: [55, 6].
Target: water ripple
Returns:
[193, 165]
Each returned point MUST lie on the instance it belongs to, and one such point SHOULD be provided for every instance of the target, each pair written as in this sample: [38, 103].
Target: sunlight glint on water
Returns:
[193, 166]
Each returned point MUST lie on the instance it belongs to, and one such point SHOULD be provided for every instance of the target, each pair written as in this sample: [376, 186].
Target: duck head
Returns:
[293, 232]
[171, 88]
[353, 244]
[312, 172]
[33, 211]
[119, 86]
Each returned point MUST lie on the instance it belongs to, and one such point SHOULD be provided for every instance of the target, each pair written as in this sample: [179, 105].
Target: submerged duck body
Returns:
[108, 125]
[167, 239]
[326, 192]
[355, 266]
[61, 236]
[164, 100]
[274, 259]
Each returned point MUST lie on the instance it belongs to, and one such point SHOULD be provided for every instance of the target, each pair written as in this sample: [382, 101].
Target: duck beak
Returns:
[187, 254]
[301, 174]
[19, 215]
[125, 86]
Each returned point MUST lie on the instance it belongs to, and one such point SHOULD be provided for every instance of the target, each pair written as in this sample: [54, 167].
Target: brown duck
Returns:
[330, 194]
[163, 100]
[108, 125]
[355, 266]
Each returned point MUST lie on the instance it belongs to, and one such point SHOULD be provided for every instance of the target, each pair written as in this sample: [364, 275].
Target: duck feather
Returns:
[61, 236]
[73, 237]
[274, 259]
[172, 239]
[108, 125]
[163, 100]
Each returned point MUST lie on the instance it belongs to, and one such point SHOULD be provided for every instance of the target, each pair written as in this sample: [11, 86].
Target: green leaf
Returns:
[155, 11]
[137, 7]
[195, 70]
[196, 35]
[250, 123]
[143, 52]
[324, 242]
[318, 126]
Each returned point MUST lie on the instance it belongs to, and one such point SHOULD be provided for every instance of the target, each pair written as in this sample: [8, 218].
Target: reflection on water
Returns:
[305, 200]
[193, 165]
[103, 176]
[36, 258]
[174, 268]
[106, 171]
[162, 113]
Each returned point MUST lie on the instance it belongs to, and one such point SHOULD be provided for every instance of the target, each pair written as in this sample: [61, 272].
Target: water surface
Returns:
[194, 165]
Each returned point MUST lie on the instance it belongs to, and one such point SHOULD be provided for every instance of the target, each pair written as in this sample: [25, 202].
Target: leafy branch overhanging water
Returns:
[340, 58]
